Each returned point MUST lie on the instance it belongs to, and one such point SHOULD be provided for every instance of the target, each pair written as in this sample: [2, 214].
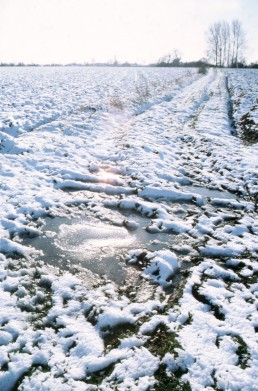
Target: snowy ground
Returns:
[153, 172]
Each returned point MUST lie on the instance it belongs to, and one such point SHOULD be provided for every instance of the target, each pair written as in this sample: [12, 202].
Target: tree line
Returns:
[226, 46]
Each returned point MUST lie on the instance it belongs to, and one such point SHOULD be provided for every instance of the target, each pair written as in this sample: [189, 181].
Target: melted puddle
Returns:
[88, 244]
[211, 193]
[69, 243]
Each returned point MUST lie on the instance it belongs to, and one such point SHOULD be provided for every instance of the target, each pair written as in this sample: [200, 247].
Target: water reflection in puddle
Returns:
[96, 246]
[86, 238]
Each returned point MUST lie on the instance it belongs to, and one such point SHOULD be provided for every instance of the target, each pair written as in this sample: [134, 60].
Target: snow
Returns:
[140, 364]
[162, 267]
[160, 165]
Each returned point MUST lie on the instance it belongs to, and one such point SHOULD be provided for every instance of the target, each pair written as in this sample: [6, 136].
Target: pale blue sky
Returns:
[63, 31]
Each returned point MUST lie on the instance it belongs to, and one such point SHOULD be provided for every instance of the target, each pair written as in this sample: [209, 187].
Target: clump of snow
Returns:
[141, 364]
[163, 266]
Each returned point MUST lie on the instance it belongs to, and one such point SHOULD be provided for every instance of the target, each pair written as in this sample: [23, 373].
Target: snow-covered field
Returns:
[129, 229]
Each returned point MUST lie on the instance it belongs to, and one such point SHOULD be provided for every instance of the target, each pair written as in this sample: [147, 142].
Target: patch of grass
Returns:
[242, 352]
[96, 378]
[91, 315]
[162, 341]
[4, 366]
[112, 337]
[215, 384]
[189, 320]
[172, 382]
[203, 299]
[177, 292]
[116, 102]
[89, 109]
[142, 89]
[202, 69]
[29, 373]
[248, 129]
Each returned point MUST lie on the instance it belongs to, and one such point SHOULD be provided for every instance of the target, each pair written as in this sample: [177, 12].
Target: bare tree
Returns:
[226, 43]
[171, 59]
[238, 42]
[218, 40]
[213, 41]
